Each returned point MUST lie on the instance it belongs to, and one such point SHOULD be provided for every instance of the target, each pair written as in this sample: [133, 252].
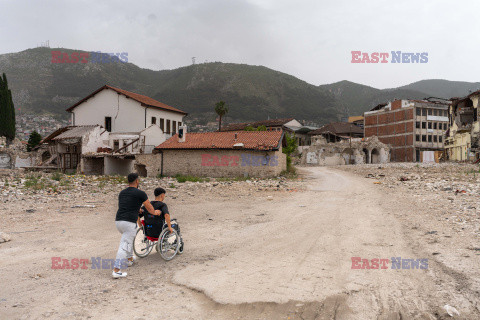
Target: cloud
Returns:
[311, 40]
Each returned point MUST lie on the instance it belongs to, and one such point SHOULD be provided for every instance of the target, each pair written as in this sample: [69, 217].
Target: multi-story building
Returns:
[414, 128]
[462, 141]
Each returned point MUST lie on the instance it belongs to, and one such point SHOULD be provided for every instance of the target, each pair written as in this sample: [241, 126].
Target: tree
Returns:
[262, 128]
[221, 109]
[33, 140]
[291, 147]
[7, 110]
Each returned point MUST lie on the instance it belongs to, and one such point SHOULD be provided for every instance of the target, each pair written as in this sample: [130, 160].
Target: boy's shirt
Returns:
[154, 224]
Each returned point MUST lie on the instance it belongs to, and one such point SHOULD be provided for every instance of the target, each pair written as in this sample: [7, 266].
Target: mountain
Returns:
[354, 99]
[251, 92]
[444, 88]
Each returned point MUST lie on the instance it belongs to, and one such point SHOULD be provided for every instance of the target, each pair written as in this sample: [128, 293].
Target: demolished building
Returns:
[415, 129]
[462, 137]
[322, 152]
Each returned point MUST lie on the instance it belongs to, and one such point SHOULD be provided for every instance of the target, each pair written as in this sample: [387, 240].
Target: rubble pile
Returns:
[23, 194]
[451, 190]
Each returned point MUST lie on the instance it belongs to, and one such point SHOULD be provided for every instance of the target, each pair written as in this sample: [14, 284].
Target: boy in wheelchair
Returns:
[155, 224]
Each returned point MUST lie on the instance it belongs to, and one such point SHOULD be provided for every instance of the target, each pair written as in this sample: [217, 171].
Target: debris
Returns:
[460, 191]
[377, 182]
[30, 210]
[270, 198]
[431, 232]
[404, 179]
[84, 206]
[435, 253]
[451, 310]
[4, 237]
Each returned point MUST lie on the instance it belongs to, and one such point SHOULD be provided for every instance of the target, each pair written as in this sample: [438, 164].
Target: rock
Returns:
[4, 237]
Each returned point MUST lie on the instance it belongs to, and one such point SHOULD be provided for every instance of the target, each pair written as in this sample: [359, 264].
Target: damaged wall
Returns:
[358, 151]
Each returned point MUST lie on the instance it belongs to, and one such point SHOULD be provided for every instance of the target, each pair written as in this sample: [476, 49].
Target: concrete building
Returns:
[119, 110]
[356, 120]
[462, 141]
[414, 128]
[217, 154]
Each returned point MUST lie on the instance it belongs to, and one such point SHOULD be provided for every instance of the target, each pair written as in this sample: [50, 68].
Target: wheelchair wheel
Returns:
[141, 245]
[168, 244]
[180, 250]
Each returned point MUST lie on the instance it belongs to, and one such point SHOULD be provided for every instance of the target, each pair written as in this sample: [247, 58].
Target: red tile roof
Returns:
[252, 140]
[144, 100]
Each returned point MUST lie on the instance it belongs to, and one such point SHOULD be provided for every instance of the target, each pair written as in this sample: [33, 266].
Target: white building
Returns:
[119, 110]
[110, 127]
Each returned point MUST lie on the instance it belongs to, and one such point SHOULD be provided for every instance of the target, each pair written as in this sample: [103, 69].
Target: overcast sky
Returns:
[311, 40]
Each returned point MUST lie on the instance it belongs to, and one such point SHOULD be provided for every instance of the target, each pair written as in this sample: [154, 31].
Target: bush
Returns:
[57, 176]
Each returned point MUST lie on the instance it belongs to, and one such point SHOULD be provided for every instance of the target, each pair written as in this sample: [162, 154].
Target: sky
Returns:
[312, 40]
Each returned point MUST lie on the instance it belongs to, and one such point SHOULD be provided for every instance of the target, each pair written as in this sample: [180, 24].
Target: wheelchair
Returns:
[168, 244]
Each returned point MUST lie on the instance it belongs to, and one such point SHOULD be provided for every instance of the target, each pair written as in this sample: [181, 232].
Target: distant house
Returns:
[356, 120]
[218, 154]
[337, 131]
[287, 124]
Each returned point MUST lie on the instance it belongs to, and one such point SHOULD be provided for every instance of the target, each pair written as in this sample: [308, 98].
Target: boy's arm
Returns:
[139, 222]
[167, 219]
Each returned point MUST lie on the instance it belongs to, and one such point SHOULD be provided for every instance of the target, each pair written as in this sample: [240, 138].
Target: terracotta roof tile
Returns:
[252, 140]
[144, 100]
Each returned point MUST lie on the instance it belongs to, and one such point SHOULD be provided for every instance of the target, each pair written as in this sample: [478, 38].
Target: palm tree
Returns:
[221, 109]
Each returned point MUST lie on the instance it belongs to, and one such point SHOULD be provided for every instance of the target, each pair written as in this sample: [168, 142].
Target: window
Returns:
[419, 112]
[67, 148]
[429, 125]
[417, 124]
[424, 125]
[162, 124]
[440, 138]
[168, 127]
[424, 138]
[429, 138]
[444, 126]
[174, 127]
[116, 144]
[74, 161]
[179, 124]
[67, 161]
[435, 125]
[74, 149]
[108, 124]
[429, 112]
[435, 112]
[154, 120]
[417, 137]
[434, 138]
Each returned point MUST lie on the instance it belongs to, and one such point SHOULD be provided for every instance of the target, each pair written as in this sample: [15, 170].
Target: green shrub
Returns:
[57, 176]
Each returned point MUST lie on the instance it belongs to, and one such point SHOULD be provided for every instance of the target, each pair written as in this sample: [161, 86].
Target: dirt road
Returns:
[245, 258]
